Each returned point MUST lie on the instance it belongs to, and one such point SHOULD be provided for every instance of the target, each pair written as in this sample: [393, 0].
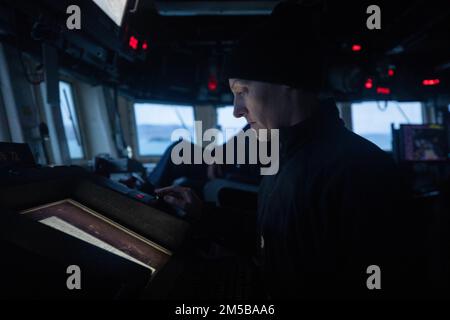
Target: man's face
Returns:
[260, 103]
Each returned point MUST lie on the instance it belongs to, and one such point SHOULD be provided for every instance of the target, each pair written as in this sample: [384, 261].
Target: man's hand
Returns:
[183, 199]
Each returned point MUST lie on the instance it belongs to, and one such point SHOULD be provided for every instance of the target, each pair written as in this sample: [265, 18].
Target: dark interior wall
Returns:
[25, 101]
[5, 135]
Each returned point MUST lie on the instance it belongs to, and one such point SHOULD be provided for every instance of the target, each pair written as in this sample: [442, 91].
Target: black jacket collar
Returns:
[325, 120]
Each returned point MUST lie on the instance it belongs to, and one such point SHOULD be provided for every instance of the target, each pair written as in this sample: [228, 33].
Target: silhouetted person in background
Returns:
[195, 176]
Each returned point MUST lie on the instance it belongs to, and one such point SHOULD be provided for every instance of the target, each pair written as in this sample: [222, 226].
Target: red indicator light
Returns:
[145, 45]
[212, 84]
[356, 47]
[391, 72]
[368, 84]
[431, 82]
[140, 196]
[133, 42]
[381, 90]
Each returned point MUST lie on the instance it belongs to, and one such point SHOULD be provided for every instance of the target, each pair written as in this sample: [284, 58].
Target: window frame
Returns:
[423, 112]
[134, 129]
[80, 117]
[217, 119]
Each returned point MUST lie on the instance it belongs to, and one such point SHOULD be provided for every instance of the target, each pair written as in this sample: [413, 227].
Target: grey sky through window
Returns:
[373, 120]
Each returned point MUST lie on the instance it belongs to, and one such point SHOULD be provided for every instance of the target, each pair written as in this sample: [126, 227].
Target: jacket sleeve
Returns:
[232, 228]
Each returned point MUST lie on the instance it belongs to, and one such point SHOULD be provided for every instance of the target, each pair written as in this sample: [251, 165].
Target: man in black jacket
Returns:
[330, 223]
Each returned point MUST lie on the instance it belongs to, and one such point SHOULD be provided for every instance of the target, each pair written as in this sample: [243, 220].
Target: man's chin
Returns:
[256, 126]
[261, 132]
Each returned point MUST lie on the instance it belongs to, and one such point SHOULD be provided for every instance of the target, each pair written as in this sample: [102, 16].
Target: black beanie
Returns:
[284, 50]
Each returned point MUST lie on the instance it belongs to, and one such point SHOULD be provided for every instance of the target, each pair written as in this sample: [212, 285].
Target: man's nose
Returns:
[239, 110]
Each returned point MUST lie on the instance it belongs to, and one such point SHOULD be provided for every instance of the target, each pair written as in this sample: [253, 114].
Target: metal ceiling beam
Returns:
[209, 8]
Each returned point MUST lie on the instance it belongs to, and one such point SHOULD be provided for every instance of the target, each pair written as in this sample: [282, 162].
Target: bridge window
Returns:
[155, 124]
[228, 123]
[372, 120]
[70, 120]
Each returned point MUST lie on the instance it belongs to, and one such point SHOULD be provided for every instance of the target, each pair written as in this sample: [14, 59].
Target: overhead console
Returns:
[93, 37]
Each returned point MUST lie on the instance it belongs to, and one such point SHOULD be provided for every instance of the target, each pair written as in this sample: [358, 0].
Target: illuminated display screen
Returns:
[113, 9]
[78, 221]
[424, 142]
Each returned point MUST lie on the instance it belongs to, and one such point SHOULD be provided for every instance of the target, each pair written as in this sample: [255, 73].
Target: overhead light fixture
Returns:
[212, 84]
[430, 82]
[133, 42]
[356, 47]
[382, 90]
